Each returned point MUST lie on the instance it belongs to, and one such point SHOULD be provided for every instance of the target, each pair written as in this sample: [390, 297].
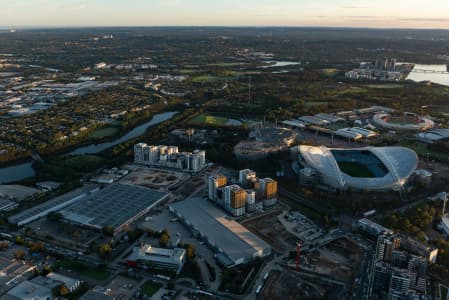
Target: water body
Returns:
[275, 64]
[23, 171]
[439, 78]
[139, 130]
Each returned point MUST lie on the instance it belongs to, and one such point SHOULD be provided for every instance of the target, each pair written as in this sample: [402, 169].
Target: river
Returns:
[439, 78]
[24, 170]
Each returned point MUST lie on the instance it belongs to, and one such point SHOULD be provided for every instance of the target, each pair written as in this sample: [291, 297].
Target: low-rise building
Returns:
[28, 290]
[147, 256]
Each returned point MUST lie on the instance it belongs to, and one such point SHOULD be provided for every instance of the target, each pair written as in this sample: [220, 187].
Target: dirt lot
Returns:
[339, 259]
[154, 178]
[288, 285]
[271, 230]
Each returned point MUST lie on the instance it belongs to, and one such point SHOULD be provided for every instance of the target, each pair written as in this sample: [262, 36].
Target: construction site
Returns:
[338, 259]
[154, 178]
[288, 284]
[268, 227]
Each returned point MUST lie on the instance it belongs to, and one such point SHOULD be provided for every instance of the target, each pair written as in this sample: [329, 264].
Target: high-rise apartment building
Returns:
[214, 183]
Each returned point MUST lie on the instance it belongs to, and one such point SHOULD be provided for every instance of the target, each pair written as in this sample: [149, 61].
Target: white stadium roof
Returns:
[399, 162]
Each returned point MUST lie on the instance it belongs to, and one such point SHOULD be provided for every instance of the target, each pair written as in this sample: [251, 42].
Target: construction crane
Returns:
[298, 256]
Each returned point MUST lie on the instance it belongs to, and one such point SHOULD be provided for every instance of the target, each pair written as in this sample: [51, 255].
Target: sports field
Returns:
[355, 169]
[205, 119]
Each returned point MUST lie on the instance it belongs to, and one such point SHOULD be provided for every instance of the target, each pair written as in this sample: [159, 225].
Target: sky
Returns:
[341, 13]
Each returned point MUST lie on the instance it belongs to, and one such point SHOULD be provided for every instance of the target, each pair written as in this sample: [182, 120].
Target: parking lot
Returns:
[165, 220]
[122, 288]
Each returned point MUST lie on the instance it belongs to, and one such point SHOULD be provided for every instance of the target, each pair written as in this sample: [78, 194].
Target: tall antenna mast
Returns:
[249, 89]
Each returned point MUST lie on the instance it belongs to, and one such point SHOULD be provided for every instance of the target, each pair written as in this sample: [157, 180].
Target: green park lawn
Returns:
[150, 288]
[103, 132]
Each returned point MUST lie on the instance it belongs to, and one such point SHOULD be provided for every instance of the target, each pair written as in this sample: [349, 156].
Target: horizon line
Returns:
[34, 27]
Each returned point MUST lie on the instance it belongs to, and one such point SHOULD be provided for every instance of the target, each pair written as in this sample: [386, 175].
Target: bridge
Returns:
[429, 71]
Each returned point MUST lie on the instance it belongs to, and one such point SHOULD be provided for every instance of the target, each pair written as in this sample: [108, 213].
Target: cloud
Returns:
[424, 19]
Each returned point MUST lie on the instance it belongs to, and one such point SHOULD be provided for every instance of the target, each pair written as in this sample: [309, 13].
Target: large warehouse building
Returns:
[370, 168]
[117, 205]
[233, 243]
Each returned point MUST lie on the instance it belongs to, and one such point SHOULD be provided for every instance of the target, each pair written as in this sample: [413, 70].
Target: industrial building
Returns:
[330, 118]
[117, 205]
[170, 157]
[53, 280]
[40, 287]
[233, 243]
[372, 228]
[27, 290]
[370, 168]
[55, 204]
[147, 256]
[314, 121]
[294, 124]
[434, 136]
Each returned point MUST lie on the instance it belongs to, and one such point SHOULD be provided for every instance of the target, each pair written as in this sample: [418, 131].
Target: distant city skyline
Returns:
[339, 13]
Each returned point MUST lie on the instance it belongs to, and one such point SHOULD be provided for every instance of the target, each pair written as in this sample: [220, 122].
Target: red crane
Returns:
[298, 256]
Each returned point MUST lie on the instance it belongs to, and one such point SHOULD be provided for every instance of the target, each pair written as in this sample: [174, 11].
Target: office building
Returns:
[148, 257]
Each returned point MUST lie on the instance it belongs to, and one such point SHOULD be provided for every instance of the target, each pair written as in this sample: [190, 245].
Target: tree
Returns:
[108, 230]
[165, 238]
[60, 291]
[19, 254]
[20, 240]
[190, 251]
[4, 245]
[36, 247]
[104, 250]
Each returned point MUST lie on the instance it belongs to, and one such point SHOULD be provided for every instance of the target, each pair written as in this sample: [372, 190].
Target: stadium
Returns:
[368, 169]
[406, 122]
[264, 141]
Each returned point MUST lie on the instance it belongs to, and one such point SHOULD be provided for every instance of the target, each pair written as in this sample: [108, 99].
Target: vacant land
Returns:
[339, 259]
[150, 288]
[271, 230]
